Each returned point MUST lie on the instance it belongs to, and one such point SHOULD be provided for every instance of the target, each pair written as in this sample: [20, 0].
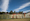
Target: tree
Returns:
[11, 12]
[7, 12]
[20, 12]
[0, 12]
[14, 11]
[3, 12]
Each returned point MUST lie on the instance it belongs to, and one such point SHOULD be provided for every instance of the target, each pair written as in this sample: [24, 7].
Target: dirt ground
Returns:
[14, 19]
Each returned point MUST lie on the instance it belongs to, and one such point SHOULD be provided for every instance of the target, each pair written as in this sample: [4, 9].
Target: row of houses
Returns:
[8, 16]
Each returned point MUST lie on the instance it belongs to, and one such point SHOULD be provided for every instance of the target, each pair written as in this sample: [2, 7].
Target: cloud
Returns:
[21, 7]
[4, 5]
[26, 11]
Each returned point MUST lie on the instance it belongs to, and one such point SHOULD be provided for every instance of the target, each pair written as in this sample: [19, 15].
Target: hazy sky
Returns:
[15, 5]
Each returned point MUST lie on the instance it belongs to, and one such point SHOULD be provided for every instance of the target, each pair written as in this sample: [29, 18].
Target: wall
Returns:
[6, 16]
